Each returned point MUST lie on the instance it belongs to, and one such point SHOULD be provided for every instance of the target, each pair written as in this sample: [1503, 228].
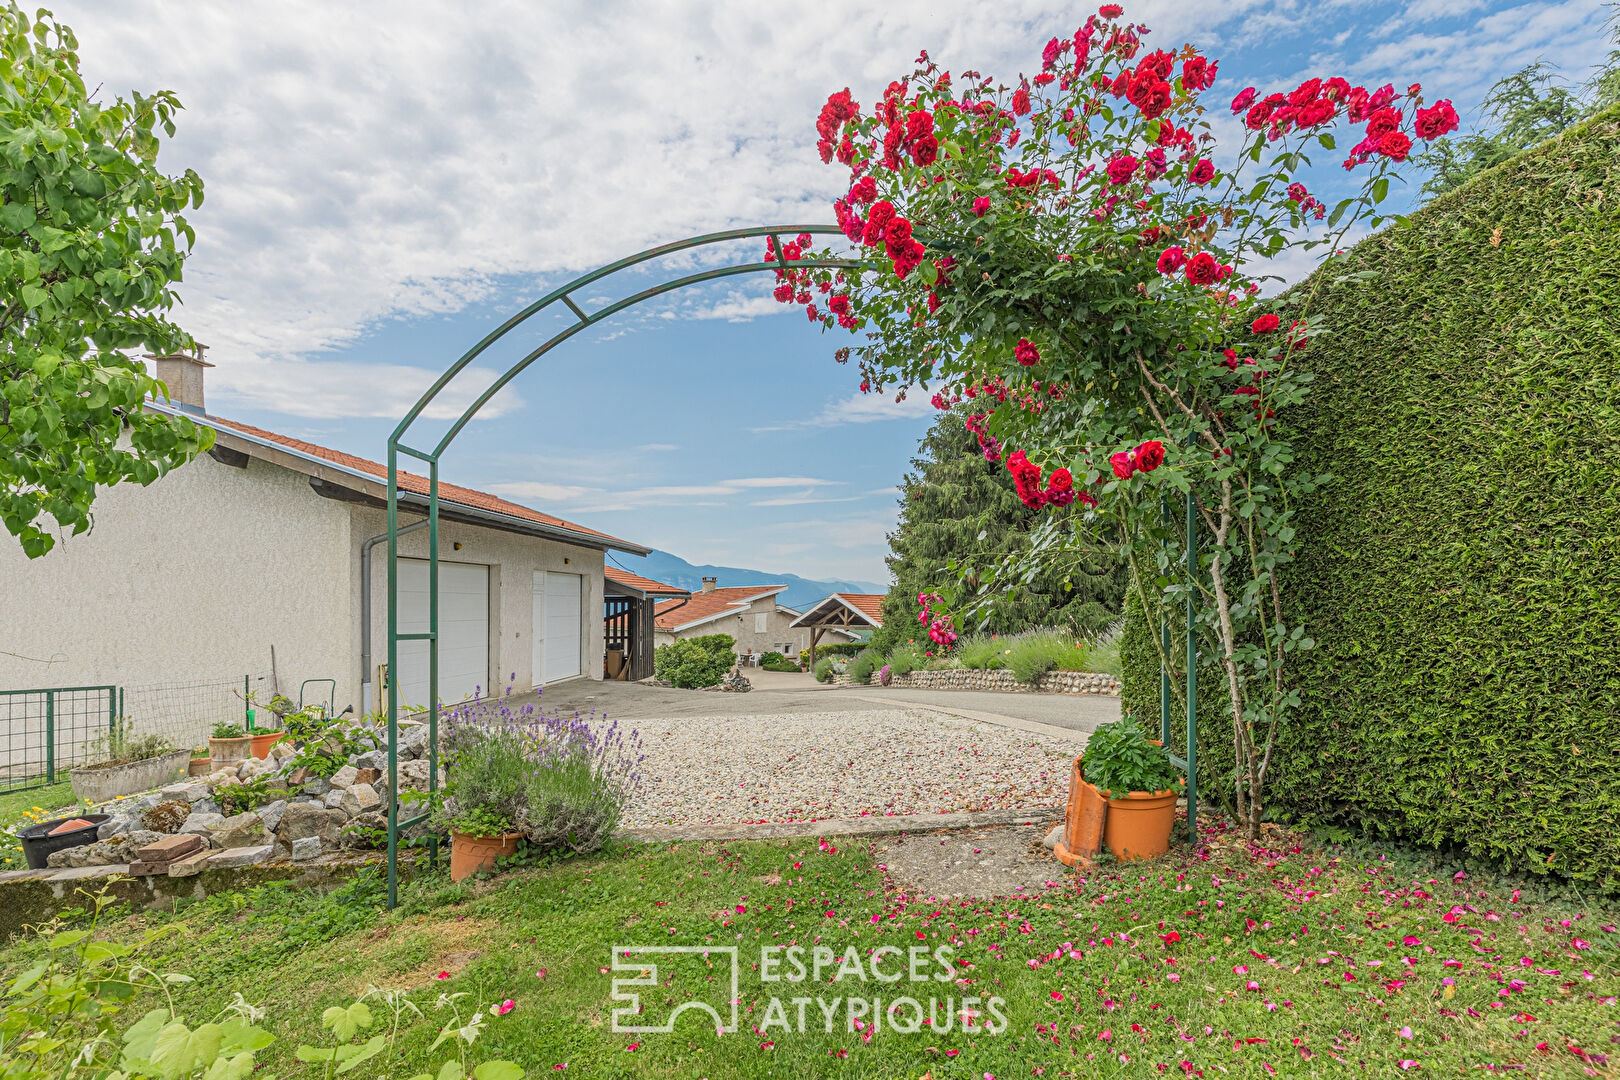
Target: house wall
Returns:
[512, 558]
[741, 627]
[187, 583]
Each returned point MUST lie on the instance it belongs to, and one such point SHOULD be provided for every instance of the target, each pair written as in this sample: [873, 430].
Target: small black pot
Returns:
[37, 845]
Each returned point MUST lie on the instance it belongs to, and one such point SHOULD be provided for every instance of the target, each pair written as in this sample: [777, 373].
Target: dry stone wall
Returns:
[1051, 682]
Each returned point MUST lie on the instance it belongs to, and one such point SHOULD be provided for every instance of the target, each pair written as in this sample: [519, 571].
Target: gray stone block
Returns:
[344, 777]
[271, 813]
[240, 831]
[191, 864]
[202, 823]
[334, 798]
[242, 856]
[359, 799]
[306, 847]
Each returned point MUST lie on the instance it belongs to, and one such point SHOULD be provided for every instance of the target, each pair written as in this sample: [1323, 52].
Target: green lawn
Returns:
[15, 810]
[1284, 962]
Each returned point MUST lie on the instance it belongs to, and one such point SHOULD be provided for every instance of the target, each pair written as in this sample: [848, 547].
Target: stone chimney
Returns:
[183, 375]
[709, 583]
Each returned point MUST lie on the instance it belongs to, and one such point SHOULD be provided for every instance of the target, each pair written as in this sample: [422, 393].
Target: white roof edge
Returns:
[870, 623]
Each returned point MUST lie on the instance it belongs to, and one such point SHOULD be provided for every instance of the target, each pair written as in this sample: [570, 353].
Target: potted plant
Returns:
[201, 763]
[478, 836]
[229, 744]
[1139, 780]
[262, 739]
[130, 763]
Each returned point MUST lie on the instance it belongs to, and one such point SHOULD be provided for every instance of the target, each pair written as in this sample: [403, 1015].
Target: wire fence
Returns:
[46, 732]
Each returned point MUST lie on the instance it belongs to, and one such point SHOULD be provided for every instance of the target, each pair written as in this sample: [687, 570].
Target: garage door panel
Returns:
[557, 647]
[463, 630]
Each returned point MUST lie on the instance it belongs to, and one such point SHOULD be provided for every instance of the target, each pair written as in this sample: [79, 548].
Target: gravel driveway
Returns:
[806, 766]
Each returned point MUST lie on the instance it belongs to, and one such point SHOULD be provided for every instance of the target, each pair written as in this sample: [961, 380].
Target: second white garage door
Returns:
[556, 649]
[463, 630]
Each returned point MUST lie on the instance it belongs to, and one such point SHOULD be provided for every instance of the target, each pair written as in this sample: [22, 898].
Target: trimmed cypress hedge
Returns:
[1461, 574]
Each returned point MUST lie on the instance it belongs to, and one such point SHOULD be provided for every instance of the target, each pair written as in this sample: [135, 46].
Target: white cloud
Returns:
[803, 499]
[540, 491]
[368, 161]
[334, 390]
[658, 448]
[860, 408]
[597, 500]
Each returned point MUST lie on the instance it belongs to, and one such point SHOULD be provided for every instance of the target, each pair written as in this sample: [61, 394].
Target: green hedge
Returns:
[1461, 574]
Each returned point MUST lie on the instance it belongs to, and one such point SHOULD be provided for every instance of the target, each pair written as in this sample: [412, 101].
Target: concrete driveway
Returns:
[1069, 716]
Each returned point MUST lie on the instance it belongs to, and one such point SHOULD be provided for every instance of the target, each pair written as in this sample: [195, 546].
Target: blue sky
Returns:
[387, 182]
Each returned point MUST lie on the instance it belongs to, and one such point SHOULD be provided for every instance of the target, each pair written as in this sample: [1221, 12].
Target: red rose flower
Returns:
[1382, 123]
[839, 304]
[1062, 480]
[1121, 169]
[1265, 324]
[1297, 193]
[1026, 353]
[1150, 455]
[981, 206]
[1202, 269]
[1197, 73]
[1171, 259]
[1244, 99]
[1124, 467]
[863, 191]
[1110, 11]
[784, 293]
[919, 125]
[1202, 172]
[1020, 102]
[925, 151]
[1436, 120]
[1395, 146]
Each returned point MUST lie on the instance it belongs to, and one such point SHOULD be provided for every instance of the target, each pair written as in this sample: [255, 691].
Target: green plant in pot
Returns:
[1140, 781]
[229, 744]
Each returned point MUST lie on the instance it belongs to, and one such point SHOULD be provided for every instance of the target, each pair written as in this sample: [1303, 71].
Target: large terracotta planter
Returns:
[1139, 825]
[1082, 820]
[201, 766]
[471, 854]
[230, 751]
[263, 743]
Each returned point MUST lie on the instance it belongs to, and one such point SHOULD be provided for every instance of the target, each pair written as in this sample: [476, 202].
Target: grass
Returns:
[20, 808]
[1230, 960]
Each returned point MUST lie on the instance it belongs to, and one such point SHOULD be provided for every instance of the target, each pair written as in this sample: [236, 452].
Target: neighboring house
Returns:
[271, 542]
[749, 613]
[849, 615]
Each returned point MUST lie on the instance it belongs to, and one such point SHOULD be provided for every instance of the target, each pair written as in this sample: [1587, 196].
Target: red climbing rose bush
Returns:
[1074, 260]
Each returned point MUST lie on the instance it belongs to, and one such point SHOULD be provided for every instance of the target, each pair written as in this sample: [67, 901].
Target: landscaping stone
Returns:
[283, 750]
[317, 786]
[242, 830]
[81, 873]
[305, 848]
[270, 814]
[191, 864]
[334, 799]
[415, 739]
[206, 806]
[359, 799]
[120, 849]
[361, 831]
[242, 856]
[166, 817]
[190, 791]
[372, 759]
[344, 777]
[112, 827]
[308, 819]
[367, 776]
[202, 823]
[1050, 682]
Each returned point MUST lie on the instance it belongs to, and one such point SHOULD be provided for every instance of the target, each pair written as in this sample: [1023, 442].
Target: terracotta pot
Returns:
[1138, 826]
[263, 743]
[229, 751]
[470, 854]
[201, 766]
[1082, 821]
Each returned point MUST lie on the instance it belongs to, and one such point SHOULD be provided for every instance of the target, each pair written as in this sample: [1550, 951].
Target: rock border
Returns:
[1050, 682]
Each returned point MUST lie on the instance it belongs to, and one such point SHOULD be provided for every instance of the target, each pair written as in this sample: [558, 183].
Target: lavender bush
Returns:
[560, 780]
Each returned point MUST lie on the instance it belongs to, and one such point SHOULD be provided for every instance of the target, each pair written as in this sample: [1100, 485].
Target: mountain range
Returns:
[674, 570]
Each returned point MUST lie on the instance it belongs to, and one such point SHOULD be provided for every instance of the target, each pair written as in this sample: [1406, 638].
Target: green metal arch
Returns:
[397, 446]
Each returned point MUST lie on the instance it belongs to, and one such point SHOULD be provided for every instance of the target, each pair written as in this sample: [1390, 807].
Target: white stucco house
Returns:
[271, 542]
[751, 614]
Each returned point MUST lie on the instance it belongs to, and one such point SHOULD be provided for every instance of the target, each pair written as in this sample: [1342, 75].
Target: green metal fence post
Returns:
[247, 707]
[1192, 670]
[393, 673]
[113, 711]
[433, 645]
[50, 736]
[1164, 643]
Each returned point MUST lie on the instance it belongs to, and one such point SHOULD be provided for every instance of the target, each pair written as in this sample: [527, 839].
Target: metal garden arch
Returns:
[398, 446]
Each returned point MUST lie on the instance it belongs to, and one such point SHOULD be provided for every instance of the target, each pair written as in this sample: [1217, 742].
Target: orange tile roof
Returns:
[868, 604]
[636, 581]
[673, 614]
[448, 492]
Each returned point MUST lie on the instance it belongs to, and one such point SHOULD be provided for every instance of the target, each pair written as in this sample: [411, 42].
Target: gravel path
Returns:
[806, 767]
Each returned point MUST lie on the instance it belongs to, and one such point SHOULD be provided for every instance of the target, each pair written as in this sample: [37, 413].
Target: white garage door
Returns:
[556, 651]
[463, 631]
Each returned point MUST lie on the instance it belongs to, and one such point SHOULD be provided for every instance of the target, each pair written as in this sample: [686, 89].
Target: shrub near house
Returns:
[693, 663]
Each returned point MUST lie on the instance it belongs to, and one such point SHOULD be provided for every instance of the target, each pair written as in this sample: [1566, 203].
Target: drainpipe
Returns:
[365, 610]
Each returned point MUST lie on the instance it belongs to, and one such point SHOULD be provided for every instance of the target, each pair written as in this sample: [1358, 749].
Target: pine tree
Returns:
[959, 505]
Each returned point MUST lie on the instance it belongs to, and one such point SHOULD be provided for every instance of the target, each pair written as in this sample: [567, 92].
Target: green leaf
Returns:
[364, 1052]
[1380, 188]
[929, 273]
[498, 1070]
[450, 1070]
[1326, 139]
